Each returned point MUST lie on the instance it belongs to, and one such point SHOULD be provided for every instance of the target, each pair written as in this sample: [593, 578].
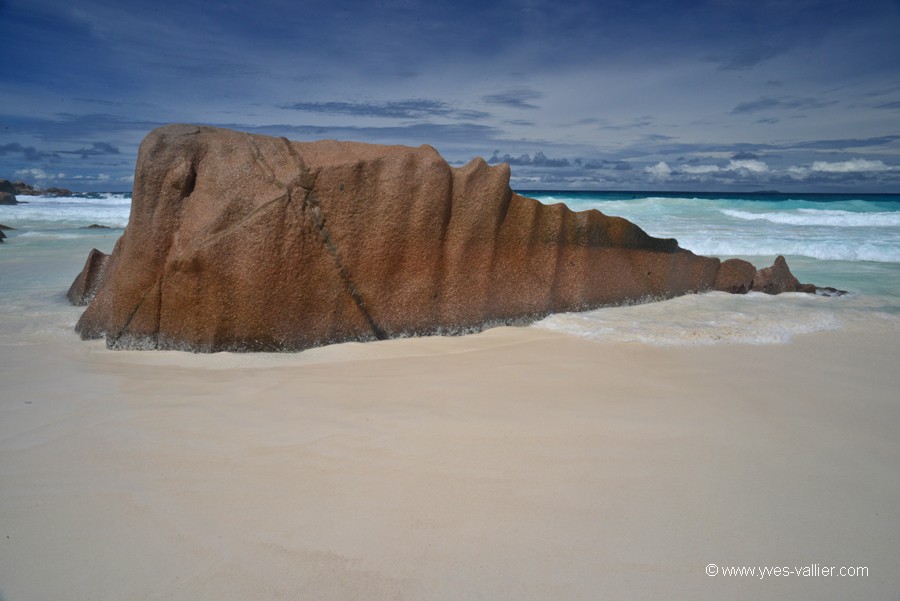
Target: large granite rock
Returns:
[8, 199]
[244, 242]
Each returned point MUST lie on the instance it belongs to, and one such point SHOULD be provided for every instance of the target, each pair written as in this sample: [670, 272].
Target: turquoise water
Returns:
[850, 242]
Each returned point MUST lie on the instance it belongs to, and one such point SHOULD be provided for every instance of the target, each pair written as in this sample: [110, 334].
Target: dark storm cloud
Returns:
[96, 149]
[70, 127]
[538, 160]
[769, 103]
[742, 59]
[605, 164]
[27, 153]
[401, 109]
[637, 123]
[843, 144]
[520, 98]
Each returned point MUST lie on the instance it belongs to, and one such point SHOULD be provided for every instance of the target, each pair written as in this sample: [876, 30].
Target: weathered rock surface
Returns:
[245, 242]
[735, 276]
[739, 277]
[8, 199]
[85, 286]
[778, 278]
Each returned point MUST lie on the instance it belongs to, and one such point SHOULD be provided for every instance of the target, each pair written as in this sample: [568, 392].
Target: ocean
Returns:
[850, 242]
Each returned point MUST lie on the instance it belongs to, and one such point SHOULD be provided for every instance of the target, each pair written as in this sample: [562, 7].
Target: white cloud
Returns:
[740, 166]
[798, 172]
[699, 169]
[661, 170]
[851, 166]
[751, 165]
[38, 174]
[100, 177]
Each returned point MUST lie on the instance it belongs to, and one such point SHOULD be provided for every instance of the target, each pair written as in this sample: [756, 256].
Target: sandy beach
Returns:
[512, 464]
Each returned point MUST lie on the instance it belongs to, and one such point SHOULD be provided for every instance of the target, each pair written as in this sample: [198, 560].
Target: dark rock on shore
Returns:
[829, 291]
[778, 278]
[739, 277]
[96, 226]
[8, 199]
[2, 236]
[247, 243]
[85, 286]
[20, 188]
[735, 276]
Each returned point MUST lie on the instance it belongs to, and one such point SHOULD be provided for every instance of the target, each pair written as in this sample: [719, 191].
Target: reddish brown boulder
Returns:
[245, 242]
[778, 278]
[85, 286]
[735, 276]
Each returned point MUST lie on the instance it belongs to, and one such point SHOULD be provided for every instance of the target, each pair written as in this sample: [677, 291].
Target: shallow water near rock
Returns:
[42, 256]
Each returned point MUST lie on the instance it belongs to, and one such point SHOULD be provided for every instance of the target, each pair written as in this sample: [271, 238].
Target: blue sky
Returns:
[618, 94]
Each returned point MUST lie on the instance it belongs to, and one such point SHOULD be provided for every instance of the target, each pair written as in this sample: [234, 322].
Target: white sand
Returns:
[514, 464]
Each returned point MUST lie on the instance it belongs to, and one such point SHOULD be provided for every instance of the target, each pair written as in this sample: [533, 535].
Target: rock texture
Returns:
[8, 199]
[778, 278]
[739, 277]
[735, 276]
[85, 286]
[244, 242]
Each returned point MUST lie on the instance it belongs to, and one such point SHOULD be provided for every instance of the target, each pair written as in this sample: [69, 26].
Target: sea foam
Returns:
[713, 318]
[820, 217]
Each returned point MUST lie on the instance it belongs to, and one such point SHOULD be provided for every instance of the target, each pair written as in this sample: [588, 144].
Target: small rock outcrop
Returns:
[735, 276]
[8, 199]
[778, 278]
[22, 189]
[85, 286]
[739, 277]
[249, 243]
